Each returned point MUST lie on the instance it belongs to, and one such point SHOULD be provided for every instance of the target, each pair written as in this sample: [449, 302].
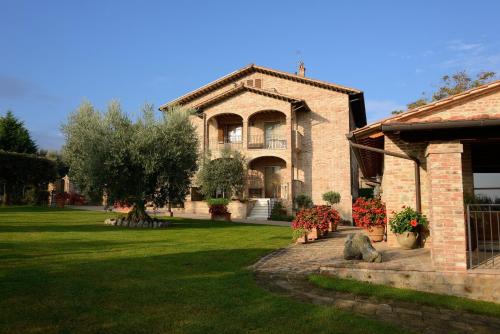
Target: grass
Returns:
[382, 292]
[64, 271]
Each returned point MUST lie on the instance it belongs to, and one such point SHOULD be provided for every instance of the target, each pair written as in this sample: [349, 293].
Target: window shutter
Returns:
[250, 83]
[258, 83]
[220, 135]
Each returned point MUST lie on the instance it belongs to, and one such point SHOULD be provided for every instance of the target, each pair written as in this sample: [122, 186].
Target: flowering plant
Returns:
[122, 204]
[408, 220]
[369, 212]
[319, 217]
[218, 209]
[62, 197]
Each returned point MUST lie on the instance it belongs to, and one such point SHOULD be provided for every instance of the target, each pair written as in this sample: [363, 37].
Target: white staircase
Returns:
[260, 209]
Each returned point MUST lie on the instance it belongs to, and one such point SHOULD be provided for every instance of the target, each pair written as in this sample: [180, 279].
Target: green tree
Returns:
[14, 137]
[169, 170]
[452, 85]
[131, 161]
[225, 175]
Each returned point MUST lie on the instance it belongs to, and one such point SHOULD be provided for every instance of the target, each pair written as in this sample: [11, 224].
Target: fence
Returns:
[483, 236]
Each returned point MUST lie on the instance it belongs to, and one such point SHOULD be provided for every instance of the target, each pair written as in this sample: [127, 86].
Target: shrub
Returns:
[278, 212]
[303, 201]
[76, 199]
[217, 201]
[218, 209]
[369, 212]
[331, 197]
[218, 206]
[365, 192]
[319, 217]
[35, 196]
[408, 220]
[282, 218]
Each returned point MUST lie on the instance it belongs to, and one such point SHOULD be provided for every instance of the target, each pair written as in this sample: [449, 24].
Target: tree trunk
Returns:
[138, 212]
[4, 197]
[170, 209]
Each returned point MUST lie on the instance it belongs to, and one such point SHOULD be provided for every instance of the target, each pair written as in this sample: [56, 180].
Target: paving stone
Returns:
[365, 308]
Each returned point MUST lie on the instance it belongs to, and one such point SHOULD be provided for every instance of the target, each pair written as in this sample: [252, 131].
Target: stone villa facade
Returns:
[290, 128]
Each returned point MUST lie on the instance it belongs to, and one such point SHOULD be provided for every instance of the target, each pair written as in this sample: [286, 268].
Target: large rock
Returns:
[359, 247]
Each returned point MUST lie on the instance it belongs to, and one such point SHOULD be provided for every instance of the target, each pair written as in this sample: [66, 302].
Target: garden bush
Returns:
[303, 201]
[331, 197]
[365, 192]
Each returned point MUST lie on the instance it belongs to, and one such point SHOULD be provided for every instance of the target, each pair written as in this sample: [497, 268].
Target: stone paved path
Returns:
[285, 272]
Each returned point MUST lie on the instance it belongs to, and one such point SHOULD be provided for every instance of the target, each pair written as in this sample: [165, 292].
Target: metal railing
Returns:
[483, 236]
[267, 142]
[234, 143]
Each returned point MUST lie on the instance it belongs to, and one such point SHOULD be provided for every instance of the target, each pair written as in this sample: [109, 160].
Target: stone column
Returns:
[447, 222]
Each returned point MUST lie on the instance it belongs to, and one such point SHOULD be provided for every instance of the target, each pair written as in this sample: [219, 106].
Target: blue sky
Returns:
[54, 54]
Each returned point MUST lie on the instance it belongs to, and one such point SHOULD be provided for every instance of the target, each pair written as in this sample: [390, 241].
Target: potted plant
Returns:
[408, 225]
[61, 199]
[312, 223]
[331, 197]
[329, 216]
[218, 209]
[370, 214]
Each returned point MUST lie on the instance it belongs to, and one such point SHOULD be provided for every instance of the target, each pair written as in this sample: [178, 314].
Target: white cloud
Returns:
[459, 45]
[378, 109]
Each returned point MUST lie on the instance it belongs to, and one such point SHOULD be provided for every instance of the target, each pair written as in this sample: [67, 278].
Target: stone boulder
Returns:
[359, 247]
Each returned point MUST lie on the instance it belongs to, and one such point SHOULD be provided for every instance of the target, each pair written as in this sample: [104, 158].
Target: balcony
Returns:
[233, 143]
[268, 142]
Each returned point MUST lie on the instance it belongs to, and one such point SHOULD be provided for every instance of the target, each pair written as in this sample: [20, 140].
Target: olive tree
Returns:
[225, 175]
[149, 159]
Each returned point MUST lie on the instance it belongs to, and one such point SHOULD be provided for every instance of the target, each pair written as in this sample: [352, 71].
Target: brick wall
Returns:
[398, 182]
[324, 163]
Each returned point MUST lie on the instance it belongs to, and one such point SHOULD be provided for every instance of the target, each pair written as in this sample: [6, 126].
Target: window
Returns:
[250, 83]
[487, 185]
[234, 133]
[258, 83]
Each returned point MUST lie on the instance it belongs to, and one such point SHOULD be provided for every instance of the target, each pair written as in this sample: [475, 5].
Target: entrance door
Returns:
[272, 182]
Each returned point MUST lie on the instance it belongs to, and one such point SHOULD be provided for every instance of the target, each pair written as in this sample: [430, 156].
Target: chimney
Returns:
[302, 70]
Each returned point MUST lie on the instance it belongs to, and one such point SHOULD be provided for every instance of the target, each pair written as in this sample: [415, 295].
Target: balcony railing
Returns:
[483, 236]
[233, 143]
[267, 142]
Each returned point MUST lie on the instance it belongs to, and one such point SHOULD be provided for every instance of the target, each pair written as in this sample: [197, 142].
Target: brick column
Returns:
[447, 225]
[290, 161]
[244, 134]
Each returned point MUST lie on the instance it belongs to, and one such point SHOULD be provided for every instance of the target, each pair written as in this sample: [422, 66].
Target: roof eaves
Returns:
[252, 67]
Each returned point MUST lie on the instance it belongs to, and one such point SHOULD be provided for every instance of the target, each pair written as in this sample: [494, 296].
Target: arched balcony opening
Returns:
[266, 130]
[225, 131]
[266, 178]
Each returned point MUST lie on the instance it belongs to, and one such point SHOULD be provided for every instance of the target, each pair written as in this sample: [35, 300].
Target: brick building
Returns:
[290, 128]
[442, 158]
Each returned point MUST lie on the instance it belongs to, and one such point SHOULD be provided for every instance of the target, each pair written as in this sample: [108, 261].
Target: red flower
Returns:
[414, 223]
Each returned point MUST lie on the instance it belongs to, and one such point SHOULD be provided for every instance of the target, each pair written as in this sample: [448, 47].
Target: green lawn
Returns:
[382, 292]
[64, 271]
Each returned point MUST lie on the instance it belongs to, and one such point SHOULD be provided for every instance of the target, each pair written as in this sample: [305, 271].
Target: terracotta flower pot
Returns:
[376, 232]
[332, 227]
[226, 217]
[309, 236]
[407, 240]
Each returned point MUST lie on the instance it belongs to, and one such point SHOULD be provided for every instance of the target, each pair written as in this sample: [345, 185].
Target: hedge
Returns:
[20, 171]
